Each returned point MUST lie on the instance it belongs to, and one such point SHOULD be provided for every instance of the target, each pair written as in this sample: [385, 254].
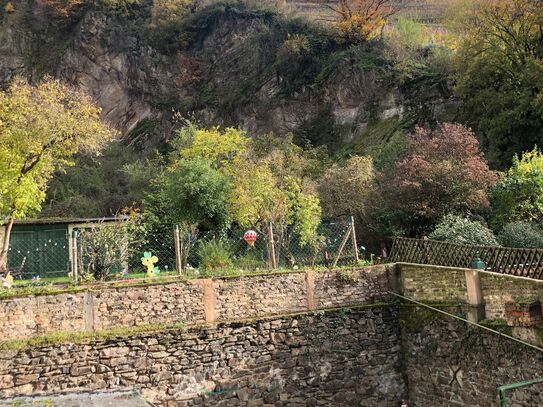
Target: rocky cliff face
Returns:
[238, 68]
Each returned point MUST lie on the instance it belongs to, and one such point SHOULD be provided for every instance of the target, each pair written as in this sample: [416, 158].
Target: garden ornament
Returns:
[148, 260]
[7, 280]
[250, 237]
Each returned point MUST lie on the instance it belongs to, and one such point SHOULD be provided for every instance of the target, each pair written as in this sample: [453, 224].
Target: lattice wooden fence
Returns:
[504, 260]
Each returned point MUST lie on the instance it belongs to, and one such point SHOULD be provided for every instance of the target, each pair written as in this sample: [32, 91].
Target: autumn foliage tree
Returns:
[443, 172]
[217, 177]
[360, 20]
[41, 129]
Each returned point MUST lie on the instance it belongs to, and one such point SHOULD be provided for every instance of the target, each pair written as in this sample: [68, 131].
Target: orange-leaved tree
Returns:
[361, 20]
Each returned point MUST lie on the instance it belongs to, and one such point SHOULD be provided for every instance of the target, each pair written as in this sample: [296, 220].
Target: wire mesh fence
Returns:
[32, 257]
[105, 251]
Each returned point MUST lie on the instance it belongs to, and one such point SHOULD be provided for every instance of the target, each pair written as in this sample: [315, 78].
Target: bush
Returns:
[166, 27]
[518, 196]
[215, 254]
[107, 248]
[521, 234]
[457, 229]
[405, 39]
[251, 261]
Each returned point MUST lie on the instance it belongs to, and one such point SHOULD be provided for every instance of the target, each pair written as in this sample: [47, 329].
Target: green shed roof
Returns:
[51, 221]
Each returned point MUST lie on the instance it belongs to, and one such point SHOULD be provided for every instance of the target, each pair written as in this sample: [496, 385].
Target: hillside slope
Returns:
[225, 65]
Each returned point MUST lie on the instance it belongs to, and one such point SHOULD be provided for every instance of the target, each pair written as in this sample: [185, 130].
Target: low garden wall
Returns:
[450, 285]
[189, 302]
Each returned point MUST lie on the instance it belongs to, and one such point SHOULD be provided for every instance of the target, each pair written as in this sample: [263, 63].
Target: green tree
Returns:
[500, 74]
[41, 129]
[190, 191]
[271, 184]
[345, 188]
[217, 176]
[518, 195]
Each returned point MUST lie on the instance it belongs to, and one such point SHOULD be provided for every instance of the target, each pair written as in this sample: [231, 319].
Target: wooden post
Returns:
[178, 257]
[272, 246]
[75, 261]
[343, 242]
[355, 245]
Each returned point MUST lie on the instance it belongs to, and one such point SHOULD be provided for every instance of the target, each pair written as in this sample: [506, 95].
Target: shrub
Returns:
[521, 234]
[215, 254]
[518, 196]
[166, 26]
[250, 261]
[458, 229]
[107, 248]
[405, 38]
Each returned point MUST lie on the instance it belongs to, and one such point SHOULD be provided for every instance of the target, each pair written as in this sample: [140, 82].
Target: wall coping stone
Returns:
[139, 283]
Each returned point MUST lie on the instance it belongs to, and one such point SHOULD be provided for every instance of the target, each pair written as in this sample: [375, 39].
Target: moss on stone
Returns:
[116, 333]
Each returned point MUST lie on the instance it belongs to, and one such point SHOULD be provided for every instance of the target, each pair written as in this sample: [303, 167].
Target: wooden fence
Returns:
[504, 260]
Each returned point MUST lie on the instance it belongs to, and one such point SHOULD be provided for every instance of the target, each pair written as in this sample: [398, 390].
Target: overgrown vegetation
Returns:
[397, 159]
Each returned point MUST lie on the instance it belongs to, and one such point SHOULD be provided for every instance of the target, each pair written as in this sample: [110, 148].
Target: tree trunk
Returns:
[5, 246]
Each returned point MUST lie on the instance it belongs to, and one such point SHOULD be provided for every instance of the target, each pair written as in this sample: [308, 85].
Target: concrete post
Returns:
[88, 311]
[476, 303]
[210, 298]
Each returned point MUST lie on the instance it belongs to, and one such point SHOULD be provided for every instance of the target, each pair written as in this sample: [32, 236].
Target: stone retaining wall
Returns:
[25, 317]
[448, 363]
[343, 358]
[433, 284]
[449, 285]
[189, 302]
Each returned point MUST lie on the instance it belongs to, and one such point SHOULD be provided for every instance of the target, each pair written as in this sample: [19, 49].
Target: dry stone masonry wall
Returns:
[166, 304]
[188, 302]
[25, 317]
[261, 295]
[450, 364]
[374, 354]
[332, 359]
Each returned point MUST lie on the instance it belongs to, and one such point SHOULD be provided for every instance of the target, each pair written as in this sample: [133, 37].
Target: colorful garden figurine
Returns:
[7, 281]
[148, 260]
[36, 280]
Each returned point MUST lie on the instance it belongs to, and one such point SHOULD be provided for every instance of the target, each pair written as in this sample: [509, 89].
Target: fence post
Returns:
[355, 246]
[178, 257]
[272, 246]
[75, 262]
[343, 242]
